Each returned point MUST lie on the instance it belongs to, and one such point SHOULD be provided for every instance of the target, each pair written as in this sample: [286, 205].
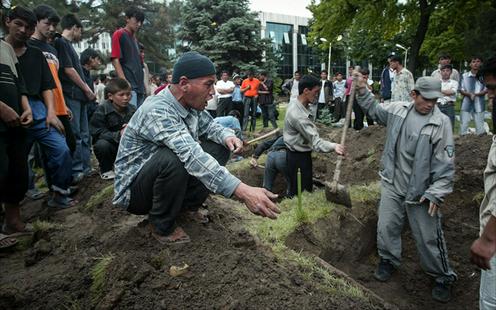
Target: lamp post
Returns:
[406, 52]
[339, 38]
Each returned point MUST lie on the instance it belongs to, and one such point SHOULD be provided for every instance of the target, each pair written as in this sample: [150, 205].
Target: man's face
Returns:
[446, 73]
[490, 81]
[422, 105]
[394, 64]
[46, 28]
[339, 77]
[95, 63]
[297, 76]
[237, 81]
[250, 76]
[263, 77]
[19, 29]
[77, 32]
[475, 64]
[198, 91]
[169, 78]
[225, 77]
[133, 24]
[310, 95]
[444, 61]
[323, 76]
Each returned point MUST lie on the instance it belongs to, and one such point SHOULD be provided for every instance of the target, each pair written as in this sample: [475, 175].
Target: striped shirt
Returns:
[163, 122]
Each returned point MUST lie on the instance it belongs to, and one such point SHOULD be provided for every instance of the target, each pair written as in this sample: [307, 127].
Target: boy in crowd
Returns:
[290, 87]
[339, 86]
[445, 59]
[403, 82]
[47, 129]
[301, 136]
[237, 97]
[249, 88]
[76, 93]
[224, 89]
[126, 56]
[359, 113]
[108, 124]
[266, 100]
[473, 105]
[325, 95]
[449, 87]
[45, 30]
[90, 60]
[15, 114]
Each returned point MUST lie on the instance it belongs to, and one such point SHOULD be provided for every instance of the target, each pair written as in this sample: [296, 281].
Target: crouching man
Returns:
[108, 123]
[417, 173]
[171, 154]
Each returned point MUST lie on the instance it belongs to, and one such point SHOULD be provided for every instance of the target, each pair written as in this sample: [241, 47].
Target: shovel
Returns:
[335, 192]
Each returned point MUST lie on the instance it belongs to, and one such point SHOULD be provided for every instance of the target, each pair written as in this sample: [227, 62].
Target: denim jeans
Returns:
[275, 163]
[465, 119]
[449, 110]
[487, 293]
[250, 104]
[269, 114]
[81, 160]
[136, 99]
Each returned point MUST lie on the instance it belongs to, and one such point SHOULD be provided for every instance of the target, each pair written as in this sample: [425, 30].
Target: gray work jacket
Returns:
[433, 166]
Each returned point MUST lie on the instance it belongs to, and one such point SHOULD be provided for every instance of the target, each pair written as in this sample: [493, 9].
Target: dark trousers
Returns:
[238, 106]
[303, 161]
[13, 165]
[105, 152]
[449, 110]
[269, 114]
[359, 116]
[70, 139]
[224, 106]
[339, 109]
[163, 187]
[320, 107]
[250, 106]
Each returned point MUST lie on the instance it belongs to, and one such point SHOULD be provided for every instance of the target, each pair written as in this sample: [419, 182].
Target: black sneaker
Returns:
[442, 292]
[384, 270]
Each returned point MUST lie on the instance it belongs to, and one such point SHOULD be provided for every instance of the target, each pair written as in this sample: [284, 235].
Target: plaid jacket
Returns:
[163, 122]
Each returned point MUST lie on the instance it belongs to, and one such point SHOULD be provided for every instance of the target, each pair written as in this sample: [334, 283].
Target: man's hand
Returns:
[481, 252]
[89, 94]
[361, 81]
[258, 200]
[432, 207]
[472, 96]
[69, 114]
[26, 118]
[234, 144]
[253, 162]
[9, 116]
[52, 120]
[340, 149]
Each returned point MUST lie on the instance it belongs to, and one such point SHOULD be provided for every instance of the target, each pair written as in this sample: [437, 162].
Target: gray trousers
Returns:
[426, 230]
[487, 299]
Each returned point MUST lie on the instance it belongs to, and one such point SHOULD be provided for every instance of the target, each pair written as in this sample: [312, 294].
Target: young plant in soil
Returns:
[98, 275]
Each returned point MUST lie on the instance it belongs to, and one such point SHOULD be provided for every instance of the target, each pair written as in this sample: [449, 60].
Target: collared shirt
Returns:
[339, 89]
[455, 75]
[300, 133]
[472, 84]
[448, 85]
[225, 86]
[402, 86]
[163, 122]
[488, 205]
[237, 96]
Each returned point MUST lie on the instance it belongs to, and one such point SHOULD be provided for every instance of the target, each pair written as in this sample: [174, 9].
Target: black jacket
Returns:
[107, 123]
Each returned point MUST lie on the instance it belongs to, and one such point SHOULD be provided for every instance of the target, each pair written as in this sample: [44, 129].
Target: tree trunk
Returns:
[425, 14]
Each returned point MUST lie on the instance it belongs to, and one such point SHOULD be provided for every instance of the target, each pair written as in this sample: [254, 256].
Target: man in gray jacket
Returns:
[417, 173]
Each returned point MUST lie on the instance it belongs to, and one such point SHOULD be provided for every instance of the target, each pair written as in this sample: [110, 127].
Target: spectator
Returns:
[47, 130]
[290, 87]
[211, 107]
[224, 89]
[266, 100]
[100, 88]
[339, 86]
[90, 60]
[473, 104]
[403, 82]
[445, 59]
[359, 113]
[166, 82]
[249, 88]
[325, 96]
[301, 136]
[15, 114]
[108, 124]
[76, 93]
[275, 162]
[45, 30]
[126, 56]
[237, 97]
[387, 78]
[154, 83]
[146, 72]
[449, 87]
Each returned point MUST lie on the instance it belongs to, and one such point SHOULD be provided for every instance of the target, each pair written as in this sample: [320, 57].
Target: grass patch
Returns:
[98, 198]
[235, 167]
[98, 275]
[45, 226]
[478, 197]
[365, 193]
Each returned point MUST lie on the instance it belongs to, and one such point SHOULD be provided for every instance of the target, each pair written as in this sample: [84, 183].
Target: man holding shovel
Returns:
[417, 173]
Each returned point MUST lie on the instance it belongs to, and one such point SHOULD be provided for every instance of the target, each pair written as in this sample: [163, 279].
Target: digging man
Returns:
[171, 155]
[417, 173]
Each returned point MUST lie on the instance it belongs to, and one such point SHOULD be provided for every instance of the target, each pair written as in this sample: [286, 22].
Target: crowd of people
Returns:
[154, 138]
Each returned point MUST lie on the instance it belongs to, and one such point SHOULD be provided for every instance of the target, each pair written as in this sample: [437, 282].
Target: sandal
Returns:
[11, 232]
[35, 194]
[178, 236]
[200, 216]
[7, 241]
[62, 202]
[109, 175]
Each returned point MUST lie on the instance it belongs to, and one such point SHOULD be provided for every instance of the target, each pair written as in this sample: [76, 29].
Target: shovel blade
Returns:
[338, 194]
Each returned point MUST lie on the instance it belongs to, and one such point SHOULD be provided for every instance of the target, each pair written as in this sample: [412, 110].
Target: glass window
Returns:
[283, 48]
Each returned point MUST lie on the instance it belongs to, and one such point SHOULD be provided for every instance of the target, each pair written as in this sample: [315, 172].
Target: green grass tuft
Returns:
[98, 198]
[365, 193]
[98, 275]
[478, 197]
[44, 226]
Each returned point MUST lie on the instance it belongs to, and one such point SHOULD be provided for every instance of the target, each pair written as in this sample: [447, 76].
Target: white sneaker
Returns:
[109, 175]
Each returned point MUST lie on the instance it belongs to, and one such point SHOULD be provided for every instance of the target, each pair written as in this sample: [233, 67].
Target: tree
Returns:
[225, 31]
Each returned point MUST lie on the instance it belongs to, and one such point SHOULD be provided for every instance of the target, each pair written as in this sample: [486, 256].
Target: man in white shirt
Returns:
[224, 89]
[339, 86]
[325, 96]
[445, 59]
[449, 88]
[291, 86]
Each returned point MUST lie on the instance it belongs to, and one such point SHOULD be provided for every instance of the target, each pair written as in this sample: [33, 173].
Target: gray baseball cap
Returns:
[429, 87]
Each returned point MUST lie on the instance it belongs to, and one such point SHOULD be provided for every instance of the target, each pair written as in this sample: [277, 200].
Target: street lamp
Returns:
[338, 38]
[406, 52]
